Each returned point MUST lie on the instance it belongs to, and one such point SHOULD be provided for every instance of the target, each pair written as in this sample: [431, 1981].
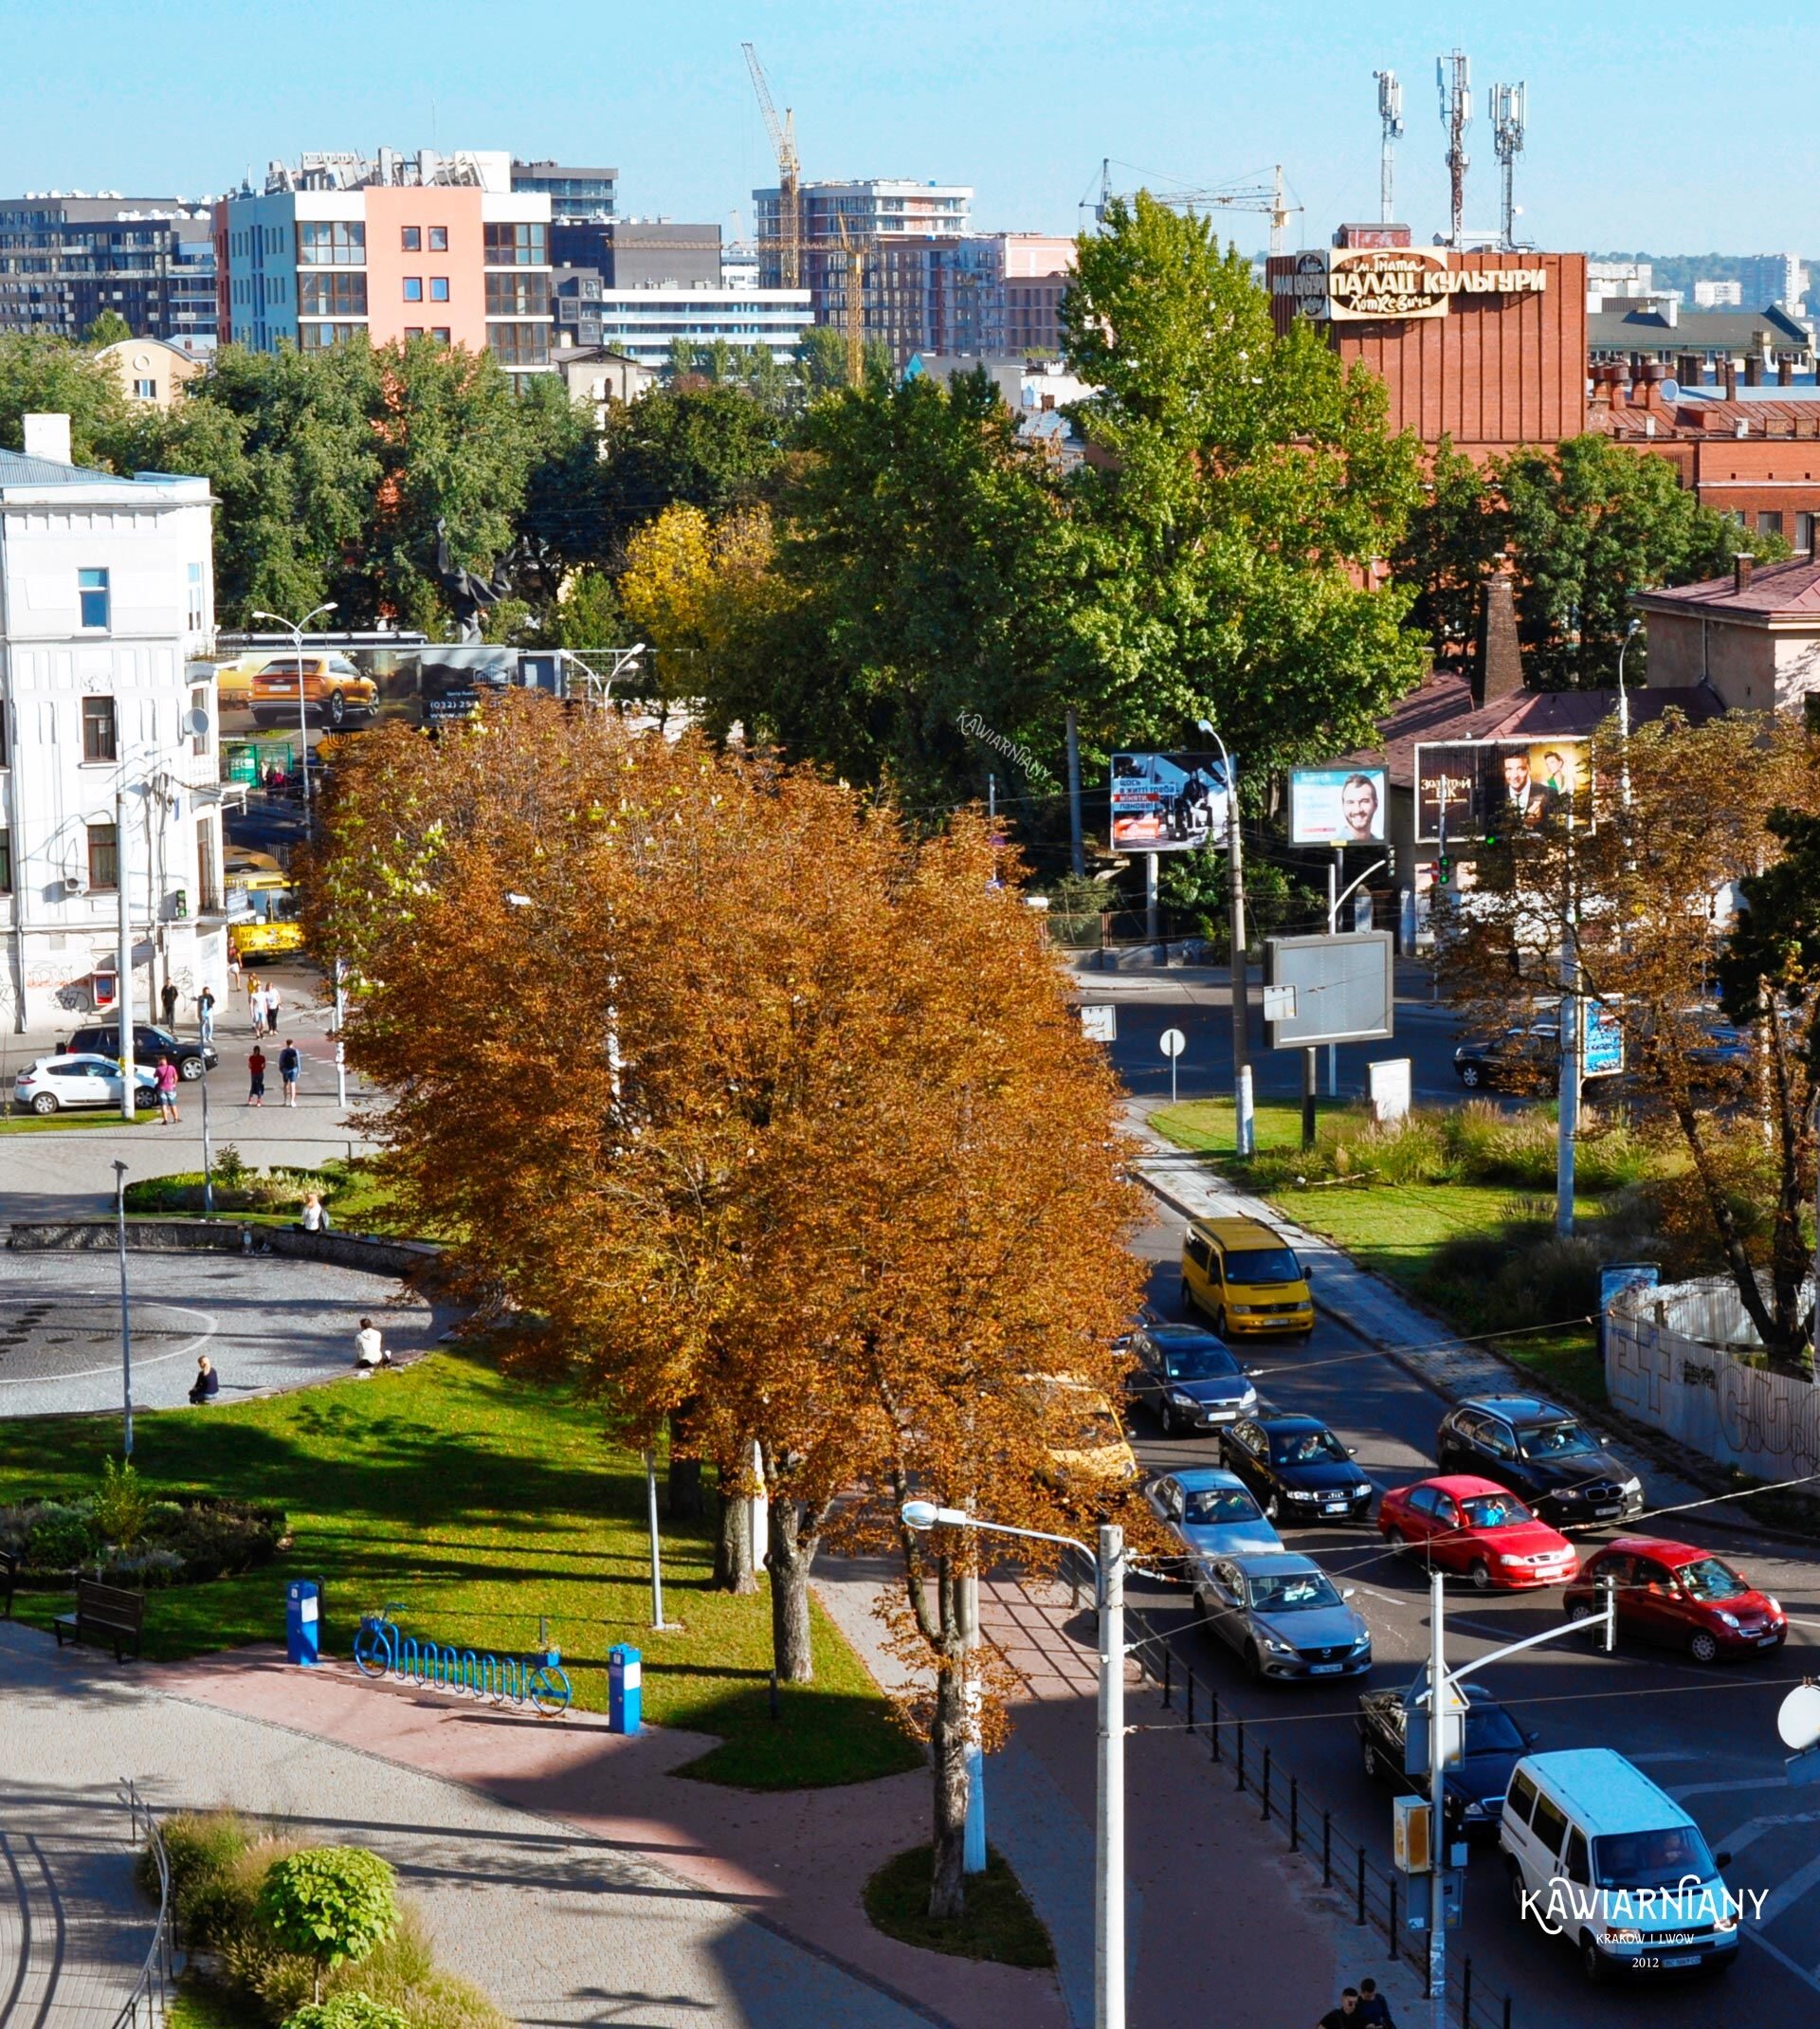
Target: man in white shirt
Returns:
[368, 1351]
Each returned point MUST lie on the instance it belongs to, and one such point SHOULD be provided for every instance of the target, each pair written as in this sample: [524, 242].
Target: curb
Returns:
[222, 1236]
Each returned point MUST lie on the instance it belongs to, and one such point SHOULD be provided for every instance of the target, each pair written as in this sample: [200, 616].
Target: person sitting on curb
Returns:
[370, 1353]
[208, 1382]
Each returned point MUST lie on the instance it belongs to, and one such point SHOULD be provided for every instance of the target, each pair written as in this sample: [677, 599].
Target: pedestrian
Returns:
[233, 962]
[289, 1062]
[1346, 2015]
[169, 997]
[255, 1000]
[370, 1354]
[1373, 2010]
[208, 1384]
[205, 1016]
[272, 999]
[167, 1085]
[256, 1067]
[314, 1214]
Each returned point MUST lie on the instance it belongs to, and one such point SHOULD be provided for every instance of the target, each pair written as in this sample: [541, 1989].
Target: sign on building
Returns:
[1338, 806]
[1166, 803]
[1381, 284]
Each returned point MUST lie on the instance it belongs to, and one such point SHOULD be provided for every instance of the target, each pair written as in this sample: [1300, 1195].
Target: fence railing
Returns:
[148, 2005]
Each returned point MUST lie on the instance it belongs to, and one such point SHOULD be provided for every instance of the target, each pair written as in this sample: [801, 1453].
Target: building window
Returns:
[199, 719]
[147, 390]
[411, 239]
[518, 296]
[1769, 523]
[98, 740]
[5, 863]
[331, 243]
[103, 857]
[414, 331]
[92, 589]
[440, 332]
[521, 246]
[439, 289]
[1804, 533]
[313, 338]
[196, 601]
[332, 296]
[519, 344]
[438, 239]
[414, 288]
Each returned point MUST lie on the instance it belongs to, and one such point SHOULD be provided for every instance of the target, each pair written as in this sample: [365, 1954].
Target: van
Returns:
[1597, 1855]
[1245, 1278]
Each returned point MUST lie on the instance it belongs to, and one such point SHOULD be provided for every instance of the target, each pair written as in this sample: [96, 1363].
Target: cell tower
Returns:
[1505, 106]
[1390, 111]
[1453, 74]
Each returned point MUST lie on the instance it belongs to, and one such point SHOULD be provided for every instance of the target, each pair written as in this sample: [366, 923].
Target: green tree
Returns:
[587, 615]
[1454, 536]
[821, 361]
[709, 447]
[110, 328]
[332, 1903]
[40, 374]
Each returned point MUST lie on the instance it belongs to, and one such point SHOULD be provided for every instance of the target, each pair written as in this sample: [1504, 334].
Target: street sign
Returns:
[1798, 1721]
[1344, 988]
[1171, 1042]
[1099, 1024]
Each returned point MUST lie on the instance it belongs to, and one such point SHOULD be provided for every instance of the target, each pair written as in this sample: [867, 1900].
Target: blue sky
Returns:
[1677, 128]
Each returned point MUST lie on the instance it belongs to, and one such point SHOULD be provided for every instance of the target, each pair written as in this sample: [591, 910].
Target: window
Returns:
[99, 739]
[1769, 523]
[332, 296]
[196, 615]
[103, 857]
[1576, 1863]
[411, 239]
[438, 239]
[414, 288]
[331, 243]
[147, 390]
[414, 331]
[439, 289]
[1550, 1824]
[1521, 1800]
[519, 344]
[5, 863]
[199, 716]
[440, 332]
[1804, 533]
[208, 874]
[521, 246]
[92, 589]
[518, 296]
[312, 338]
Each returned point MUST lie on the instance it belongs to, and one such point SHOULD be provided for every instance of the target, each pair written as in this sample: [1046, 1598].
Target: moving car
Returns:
[1525, 1057]
[58, 1084]
[1210, 1515]
[1539, 1451]
[1297, 1468]
[1086, 1440]
[1245, 1277]
[1187, 1379]
[334, 693]
[149, 1045]
[1680, 1597]
[1283, 1614]
[1475, 1527]
[1474, 1792]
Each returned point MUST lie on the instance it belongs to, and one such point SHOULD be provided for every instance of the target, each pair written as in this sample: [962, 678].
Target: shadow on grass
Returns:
[820, 1738]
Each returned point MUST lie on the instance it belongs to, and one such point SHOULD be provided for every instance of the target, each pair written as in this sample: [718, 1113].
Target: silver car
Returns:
[53, 1085]
[1284, 1615]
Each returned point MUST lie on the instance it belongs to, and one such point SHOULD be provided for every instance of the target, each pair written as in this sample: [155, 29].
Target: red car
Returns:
[1476, 1527]
[1680, 1595]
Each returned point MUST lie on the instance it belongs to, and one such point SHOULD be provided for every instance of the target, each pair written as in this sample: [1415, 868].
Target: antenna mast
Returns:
[1389, 110]
[1453, 74]
[1506, 107]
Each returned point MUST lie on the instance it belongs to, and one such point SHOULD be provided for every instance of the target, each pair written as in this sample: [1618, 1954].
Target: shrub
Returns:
[59, 1538]
[123, 1506]
[216, 1538]
[201, 1852]
[149, 1571]
[331, 1904]
[354, 2010]
[402, 1973]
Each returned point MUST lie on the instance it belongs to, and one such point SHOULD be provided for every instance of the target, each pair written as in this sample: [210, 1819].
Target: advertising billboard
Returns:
[1166, 803]
[1471, 789]
[1338, 989]
[1338, 806]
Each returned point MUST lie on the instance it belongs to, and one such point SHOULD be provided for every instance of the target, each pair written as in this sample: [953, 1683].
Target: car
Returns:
[1187, 1379]
[1525, 1057]
[1473, 1791]
[149, 1045]
[1479, 1528]
[1284, 1615]
[334, 693]
[1087, 1441]
[1211, 1514]
[1245, 1277]
[234, 682]
[1297, 1468]
[1680, 1597]
[1539, 1451]
[62, 1083]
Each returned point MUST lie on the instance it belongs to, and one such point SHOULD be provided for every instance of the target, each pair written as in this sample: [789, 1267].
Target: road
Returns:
[1707, 1735]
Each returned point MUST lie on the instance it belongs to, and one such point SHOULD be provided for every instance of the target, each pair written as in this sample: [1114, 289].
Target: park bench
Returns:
[8, 1571]
[105, 1614]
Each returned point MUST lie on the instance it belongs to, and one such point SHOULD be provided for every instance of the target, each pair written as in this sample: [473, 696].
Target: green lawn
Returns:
[64, 1122]
[997, 1924]
[479, 1504]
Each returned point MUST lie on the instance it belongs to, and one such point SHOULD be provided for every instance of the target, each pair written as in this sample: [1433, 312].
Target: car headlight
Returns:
[1248, 1399]
[1279, 1648]
[1363, 1491]
[1633, 1485]
[1774, 1605]
[1182, 1400]
[1240, 1311]
[1730, 1619]
[1474, 1808]
[1725, 1918]
[1300, 1496]
[1363, 1641]
[1623, 1937]
[1513, 1560]
[1571, 1494]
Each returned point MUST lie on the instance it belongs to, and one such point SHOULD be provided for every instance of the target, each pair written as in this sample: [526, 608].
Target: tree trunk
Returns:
[948, 1736]
[790, 1558]
[732, 1569]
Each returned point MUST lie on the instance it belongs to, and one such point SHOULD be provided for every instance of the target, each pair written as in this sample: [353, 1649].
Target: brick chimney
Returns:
[1741, 567]
[1753, 369]
[1497, 668]
[1731, 382]
[1785, 372]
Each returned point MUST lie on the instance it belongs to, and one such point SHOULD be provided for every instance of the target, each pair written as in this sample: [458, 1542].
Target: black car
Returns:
[1537, 1450]
[1186, 1377]
[1474, 1792]
[1297, 1468]
[1526, 1059]
[149, 1045]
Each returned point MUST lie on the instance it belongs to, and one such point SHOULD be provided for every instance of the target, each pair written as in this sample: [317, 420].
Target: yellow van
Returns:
[1245, 1278]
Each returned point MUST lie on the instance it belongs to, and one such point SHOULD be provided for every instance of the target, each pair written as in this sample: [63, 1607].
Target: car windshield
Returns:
[1492, 1731]
[1262, 1264]
[1557, 1440]
[1199, 1362]
[1292, 1592]
[1710, 1580]
[1651, 1859]
[1307, 1448]
[1494, 1510]
[1093, 1431]
[1218, 1504]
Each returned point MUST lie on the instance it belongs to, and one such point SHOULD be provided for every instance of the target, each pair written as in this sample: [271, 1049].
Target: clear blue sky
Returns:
[1679, 128]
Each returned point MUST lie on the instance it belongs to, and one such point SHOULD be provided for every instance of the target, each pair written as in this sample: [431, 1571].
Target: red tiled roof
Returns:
[1776, 587]
[1779, 420]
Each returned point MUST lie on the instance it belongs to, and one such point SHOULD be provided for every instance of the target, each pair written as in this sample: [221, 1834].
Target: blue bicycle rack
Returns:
[382, 1647]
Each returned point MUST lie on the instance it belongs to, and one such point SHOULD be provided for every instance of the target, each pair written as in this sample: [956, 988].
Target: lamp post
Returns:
[1236, 917]
[295, 628]
[1624, 713]
[1109, 1819]
[126, 1321]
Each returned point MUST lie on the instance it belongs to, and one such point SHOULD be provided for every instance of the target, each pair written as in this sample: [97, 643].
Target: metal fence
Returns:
[148, 2005]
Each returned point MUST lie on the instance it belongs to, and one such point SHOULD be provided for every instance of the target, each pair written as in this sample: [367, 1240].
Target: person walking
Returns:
[255, 1000]
[289, 1064]
[166, 1078]
[1373, 2011]
[205, 1016]
[273, 1000]
[314, 1214]
[208, 1383]
[256, 1068]
[168, 1000]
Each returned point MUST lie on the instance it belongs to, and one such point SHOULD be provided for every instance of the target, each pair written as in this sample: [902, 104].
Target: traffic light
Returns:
[1444, 871]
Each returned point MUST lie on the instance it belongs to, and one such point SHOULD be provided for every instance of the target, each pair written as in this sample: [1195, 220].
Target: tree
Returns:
[332, 1903]
[700, 446]
[1455, 535]
[42, 376]
[587, 613]
[110, 328]
[821, 360]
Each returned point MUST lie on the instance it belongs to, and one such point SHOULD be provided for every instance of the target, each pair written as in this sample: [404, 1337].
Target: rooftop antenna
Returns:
[1506, 107]
[1453, 74]
[1389, 110]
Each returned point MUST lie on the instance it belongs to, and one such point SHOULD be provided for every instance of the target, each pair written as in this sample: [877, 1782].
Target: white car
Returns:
[53, 1084]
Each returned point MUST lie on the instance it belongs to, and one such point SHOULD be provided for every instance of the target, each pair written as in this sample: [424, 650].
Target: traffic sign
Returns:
[1099, 1024]
[1171, 1042]
[1798, 1721]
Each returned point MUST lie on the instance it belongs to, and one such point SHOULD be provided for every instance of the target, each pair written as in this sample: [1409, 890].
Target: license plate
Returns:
[1333, 1508]
[1766, 1641]
[1326, 1668]
[1606, 1513]
[1681, 1958]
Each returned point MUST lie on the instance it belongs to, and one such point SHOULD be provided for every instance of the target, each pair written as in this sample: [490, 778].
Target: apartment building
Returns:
[68, 257]
[573, 193]
[645, 323]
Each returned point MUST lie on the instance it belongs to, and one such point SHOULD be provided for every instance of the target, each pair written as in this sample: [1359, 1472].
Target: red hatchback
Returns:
[1478, 1527]
[1682, 1597]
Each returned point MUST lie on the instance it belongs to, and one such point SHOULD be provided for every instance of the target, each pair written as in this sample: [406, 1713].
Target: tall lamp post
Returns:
[126, 1321]
[1109, 1817]
[295, 628]
[1241, 990]
[1624, 713]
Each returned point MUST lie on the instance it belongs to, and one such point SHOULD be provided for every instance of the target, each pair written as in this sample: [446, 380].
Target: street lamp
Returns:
[1624, 712]
[1109, 1822]
[126, 1321]
[295, 628]
[1235, 916]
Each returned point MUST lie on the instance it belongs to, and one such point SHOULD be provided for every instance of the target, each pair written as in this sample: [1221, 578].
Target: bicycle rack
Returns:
[478, 1673]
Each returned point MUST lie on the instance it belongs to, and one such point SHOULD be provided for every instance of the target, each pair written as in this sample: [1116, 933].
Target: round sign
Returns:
[1174, 1042]
[1798, 1721]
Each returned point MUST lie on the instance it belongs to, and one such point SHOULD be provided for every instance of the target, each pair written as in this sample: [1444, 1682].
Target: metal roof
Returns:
[16, 469]
[1605, 1792]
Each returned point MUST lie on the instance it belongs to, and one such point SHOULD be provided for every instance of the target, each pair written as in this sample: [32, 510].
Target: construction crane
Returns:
[1390, 112]
[1505, 106]
[1266, 198]
[1453, 76]
[789, 172]
[855, 250]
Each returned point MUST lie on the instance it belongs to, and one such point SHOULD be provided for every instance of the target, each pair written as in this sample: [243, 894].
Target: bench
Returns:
[104, 1614]
[8, 1571]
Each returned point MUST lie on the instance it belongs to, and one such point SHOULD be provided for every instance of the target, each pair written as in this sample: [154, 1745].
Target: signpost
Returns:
[1173, 1042]
[1798, 1723]
[1100, 1023]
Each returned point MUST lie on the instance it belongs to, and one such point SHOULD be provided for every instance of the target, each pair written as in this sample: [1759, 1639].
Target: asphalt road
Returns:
[1707, 1735]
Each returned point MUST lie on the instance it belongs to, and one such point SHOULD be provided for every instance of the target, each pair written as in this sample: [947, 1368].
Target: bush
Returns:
[332, 1903]
[220, 1538]
[201, 1853]
[123, 1506]
[59, 1537]
[354, 2010]
[142, 1570]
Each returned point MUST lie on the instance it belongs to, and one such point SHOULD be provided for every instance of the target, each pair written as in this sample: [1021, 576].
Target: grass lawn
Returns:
[67, 1122]
[478, 1504]
[999, 1923]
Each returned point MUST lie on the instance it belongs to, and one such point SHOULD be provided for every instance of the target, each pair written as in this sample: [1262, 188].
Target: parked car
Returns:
[149, 1045]
[1474, 1792]
[1283, 1615]
[1525, 1057]
[1477, 1528]
[1680, 1597]
[334, 693]
[1087, 1441]
[1297, 1468]
[59, 1084]
[1539, 1451]
[1187, 1379]
[1245, 1277]
[1211, 1514]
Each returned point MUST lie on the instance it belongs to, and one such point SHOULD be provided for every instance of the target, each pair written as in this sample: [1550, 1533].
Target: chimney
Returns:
[1498, 668]
[1741, 574]
[1731, 382]
[1785, 372]
[47, 436]
[1753, 369]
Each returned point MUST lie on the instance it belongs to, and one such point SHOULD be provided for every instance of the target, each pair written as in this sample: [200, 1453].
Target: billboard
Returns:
[1472, 788]
[1166, 803]
[426, 682]
[1338, 806]
[1343, 989]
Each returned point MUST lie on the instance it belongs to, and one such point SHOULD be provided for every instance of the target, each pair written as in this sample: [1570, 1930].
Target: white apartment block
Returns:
[107, 593]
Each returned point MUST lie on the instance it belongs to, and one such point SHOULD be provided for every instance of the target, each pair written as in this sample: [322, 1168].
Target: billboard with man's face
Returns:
[1338, 806]
[1166, 803]
[1473, 789]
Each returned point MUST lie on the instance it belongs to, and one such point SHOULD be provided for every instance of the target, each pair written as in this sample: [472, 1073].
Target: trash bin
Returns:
[303, 1621]
[623, 1694]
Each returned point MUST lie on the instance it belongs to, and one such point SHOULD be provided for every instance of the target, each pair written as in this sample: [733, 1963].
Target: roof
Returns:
[1776, 413]
[1287, 1419]
[1464, 1486]
[1175, 1334]
[1253, 1563]
[1529, 1407]
[1694, 330]
[1607, 1792]
[1778, 588]
[1233, 1227]
[1656, 1546]
[1193, 1477]
[16, 469]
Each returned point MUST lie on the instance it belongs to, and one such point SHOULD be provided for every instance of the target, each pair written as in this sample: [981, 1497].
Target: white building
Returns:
[643, 324]
[1718, 296]
[106, 592]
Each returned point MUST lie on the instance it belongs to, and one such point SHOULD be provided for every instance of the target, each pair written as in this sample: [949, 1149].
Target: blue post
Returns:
[625, 1696]
[973, 1859]
[302, 1622]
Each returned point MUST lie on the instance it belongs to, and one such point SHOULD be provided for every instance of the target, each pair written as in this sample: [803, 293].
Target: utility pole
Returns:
[1505, 106]
[1453, 75]
[126, 1321]
[1441, 1707]
[1390, 112]
[1241, 1111]
[1109, 1843]
[124, 978]
[1077, 849]
[1573, 1021]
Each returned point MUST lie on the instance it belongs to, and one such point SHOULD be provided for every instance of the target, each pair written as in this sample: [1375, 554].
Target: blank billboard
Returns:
[1344, 988]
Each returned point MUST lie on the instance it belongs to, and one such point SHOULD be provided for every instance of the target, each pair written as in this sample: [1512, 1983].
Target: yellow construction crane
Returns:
[789, 172]
[855, 251]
